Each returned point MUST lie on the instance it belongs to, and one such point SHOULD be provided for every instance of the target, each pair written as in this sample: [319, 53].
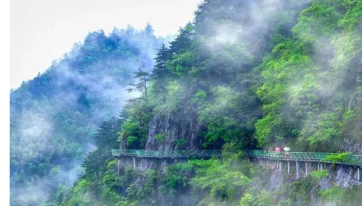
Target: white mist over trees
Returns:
[243, 75]
[55, 116]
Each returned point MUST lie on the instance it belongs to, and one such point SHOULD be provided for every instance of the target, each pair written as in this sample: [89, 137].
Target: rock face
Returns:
[350, 145]
[174, 131]
[342, 176]
[167, 132]
[339, 175]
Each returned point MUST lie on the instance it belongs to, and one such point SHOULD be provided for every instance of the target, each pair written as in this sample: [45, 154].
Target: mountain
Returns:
[55, 116]
[243, 75]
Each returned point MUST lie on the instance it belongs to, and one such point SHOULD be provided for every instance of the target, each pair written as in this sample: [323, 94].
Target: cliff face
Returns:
[174, 131]
[338, 175]
[274, 181]
[167, 132]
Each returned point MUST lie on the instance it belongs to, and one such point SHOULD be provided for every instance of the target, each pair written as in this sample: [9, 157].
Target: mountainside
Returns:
[55, 116]
[243, 75]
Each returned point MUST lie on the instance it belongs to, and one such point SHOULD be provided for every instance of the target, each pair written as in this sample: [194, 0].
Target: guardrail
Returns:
[305, 156]
[264, 154]
[167, 154]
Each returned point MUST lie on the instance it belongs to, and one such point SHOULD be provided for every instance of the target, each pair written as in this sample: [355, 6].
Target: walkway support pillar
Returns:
[297, 170]
[119, 166]
[306, 168]
[288, 167]
[276, 165]
[134, 163]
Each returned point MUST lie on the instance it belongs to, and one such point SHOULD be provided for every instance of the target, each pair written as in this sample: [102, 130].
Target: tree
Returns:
[183, 40]
[141, 86]
[149, 29]
[160, 68]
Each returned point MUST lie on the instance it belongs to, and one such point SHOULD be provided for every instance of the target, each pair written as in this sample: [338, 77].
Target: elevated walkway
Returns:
[318, 157]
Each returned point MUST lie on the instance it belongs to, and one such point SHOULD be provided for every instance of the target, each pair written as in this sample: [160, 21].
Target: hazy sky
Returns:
[43, 30]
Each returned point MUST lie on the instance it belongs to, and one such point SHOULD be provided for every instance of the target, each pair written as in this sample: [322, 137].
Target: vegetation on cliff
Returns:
[253, 74]
[256, 74]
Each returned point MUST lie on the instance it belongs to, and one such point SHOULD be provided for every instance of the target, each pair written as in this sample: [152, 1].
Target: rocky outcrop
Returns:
[338, 175]
[167, 132]
[174, 131]
[342, 176]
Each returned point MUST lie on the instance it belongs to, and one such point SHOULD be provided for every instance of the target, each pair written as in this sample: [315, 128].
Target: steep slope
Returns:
[243, 75]
[55, 116]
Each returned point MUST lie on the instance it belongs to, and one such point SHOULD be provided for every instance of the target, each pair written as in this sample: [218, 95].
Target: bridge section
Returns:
[167, 154]
[298, 162]
[355, 160]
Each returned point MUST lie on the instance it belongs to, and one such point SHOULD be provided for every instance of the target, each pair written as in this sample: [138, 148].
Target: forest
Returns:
[55, 116]
[242, 75]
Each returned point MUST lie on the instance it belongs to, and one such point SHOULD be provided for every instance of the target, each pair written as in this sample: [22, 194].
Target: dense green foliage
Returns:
[55, 116]
[252, 74]
[299, 86]
[316, 76]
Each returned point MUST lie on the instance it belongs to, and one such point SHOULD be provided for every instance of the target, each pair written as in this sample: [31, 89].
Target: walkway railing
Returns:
[167, 154]
[305, 156]
[263, 154]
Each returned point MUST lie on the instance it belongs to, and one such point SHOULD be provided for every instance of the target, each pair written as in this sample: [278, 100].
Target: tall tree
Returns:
[183, 40]
[141, 86]
[160, 68]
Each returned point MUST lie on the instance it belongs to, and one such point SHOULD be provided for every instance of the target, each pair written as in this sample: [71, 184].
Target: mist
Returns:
[244, 75]
[55, 116]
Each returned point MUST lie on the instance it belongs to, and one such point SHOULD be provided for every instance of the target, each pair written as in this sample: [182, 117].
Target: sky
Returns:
[44, 30]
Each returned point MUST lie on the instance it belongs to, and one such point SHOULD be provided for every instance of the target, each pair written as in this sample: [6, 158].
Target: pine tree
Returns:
[183, 40]
[149, 29]
[141, 86]
[160, 68]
